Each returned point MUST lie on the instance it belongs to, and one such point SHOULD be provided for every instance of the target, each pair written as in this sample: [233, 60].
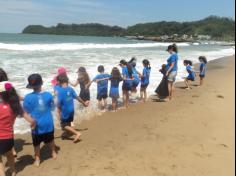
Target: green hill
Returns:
[219, 28]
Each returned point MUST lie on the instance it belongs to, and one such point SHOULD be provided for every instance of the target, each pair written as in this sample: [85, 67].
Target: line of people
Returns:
[38, 105]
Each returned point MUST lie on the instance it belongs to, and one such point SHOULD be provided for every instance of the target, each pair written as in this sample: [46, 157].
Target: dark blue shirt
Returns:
[202, 69]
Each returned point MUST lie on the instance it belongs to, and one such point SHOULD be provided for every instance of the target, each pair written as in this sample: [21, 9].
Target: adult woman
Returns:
[172, 68]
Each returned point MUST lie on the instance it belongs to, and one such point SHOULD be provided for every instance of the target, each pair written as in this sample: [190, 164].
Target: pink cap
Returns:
[61, 71]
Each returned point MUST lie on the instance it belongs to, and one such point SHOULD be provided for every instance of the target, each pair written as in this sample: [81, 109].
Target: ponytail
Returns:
[10, 97]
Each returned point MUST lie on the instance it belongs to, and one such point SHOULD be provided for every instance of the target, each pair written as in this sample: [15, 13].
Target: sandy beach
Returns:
[193, 135]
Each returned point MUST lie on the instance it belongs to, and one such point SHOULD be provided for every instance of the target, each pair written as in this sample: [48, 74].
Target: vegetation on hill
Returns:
[219, 28]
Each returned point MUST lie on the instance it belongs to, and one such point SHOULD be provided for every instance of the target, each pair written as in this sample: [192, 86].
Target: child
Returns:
[39, 105]
[66, 96]
[145, 79]
[191, 73]
[162, 90]
[55, 84]
[123, 65]
[102, 87]
[202, 74]
[136, 81]
[9, 108]
[115, 79]
[83, 80]
[128, 78]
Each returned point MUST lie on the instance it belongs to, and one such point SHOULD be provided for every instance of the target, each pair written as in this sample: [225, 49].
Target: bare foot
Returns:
[77, 138]
[13, 174]
[54, 155]
[37, 163]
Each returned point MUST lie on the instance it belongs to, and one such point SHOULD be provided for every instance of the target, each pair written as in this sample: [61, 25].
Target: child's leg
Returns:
[100, 104]
[74, 132]
[170, 89]
[201, 81]
[141, 94]
[37, 155]
[104, 103]
[186, 82]
[123, 97]
[145, 94]
[53, 149]
[2, 168]
[114, 104]
[127, 99]
[11, 162]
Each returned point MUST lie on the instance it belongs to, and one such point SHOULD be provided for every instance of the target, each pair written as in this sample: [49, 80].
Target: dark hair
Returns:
[115, 74]
[133, 61]
[173, 47]
[146, 63]
[10, 97]
[163, 69]
[130, 70]
[203, 58]
[3, 75]
[123, 62]
[83, 75]
[188, 62]
[101, 69]
[62, 79]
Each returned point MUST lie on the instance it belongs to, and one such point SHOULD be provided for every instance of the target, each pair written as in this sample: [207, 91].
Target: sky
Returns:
[17, 14]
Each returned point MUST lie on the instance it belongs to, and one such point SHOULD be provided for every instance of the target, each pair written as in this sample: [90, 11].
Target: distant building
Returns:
[204, 37]
[185, 36]
[165, 37]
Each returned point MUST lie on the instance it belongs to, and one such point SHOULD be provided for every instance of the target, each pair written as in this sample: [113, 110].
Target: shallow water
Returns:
[24, 54]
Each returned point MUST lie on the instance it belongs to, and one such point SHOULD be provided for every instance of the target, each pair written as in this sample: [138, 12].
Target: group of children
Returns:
[38, 105]
[192, 73]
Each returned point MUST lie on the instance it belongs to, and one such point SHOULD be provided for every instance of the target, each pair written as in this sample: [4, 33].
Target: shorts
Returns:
[190, 79]
[172, 76]
[202, 76]
[135, 84]
[39, 138]
[67, 122]
[102, 96]
[85, 96]
[6, 145]
[143, 87]
[126, 87]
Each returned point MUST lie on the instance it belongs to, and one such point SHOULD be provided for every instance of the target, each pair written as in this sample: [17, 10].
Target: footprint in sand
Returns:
[223, 145]
[220, 96]
[195, 96]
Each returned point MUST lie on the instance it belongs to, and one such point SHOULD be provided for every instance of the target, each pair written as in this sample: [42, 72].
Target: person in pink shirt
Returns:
[10, 108]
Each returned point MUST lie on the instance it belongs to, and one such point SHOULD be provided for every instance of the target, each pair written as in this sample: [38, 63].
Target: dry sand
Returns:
[193, 135]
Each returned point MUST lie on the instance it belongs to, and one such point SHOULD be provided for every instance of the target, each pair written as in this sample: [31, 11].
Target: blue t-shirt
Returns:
[173, 59]
[102, 86]
[146, 76]
[66, 98]
[39, 105]
[191, 73]
[136, 76]
[202, 69]
[124, 71]
[57, 88]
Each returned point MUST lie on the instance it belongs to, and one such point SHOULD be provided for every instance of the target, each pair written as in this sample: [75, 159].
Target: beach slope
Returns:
[193, 135]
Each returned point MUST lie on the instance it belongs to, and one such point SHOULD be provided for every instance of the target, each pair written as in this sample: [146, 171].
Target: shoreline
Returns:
[158, 139]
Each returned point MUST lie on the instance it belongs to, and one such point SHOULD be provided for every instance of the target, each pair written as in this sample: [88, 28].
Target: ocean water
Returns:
[24, 54]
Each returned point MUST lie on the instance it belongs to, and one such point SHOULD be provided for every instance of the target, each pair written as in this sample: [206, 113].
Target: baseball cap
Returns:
[34, 81]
